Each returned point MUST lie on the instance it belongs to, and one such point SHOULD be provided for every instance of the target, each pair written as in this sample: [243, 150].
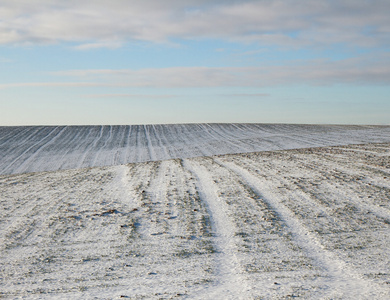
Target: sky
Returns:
[128, 62]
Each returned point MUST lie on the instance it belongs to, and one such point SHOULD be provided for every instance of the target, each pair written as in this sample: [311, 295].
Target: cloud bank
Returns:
[99, 23]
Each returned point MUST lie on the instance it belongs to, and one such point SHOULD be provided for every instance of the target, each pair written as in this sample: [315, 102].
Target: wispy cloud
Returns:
[98, 45]
[48, 84]
[355, 71]
[243, 95]
[278, 22]
[316, 72]
[5, 60]
[137, 96]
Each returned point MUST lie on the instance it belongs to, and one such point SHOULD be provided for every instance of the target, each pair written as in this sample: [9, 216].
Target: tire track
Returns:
[28, 149]
[346, 172]
[26, 163]
[94, 146]
[152, 154]
[230, 283]
[342, 280]
[84, 146]
[127, 146]
[100, 148]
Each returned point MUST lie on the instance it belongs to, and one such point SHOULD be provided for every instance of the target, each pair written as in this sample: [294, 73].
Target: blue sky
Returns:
[143, 62]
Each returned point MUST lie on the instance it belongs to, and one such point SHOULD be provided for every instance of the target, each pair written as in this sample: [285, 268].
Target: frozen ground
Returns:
[310, 223]
[35, 149]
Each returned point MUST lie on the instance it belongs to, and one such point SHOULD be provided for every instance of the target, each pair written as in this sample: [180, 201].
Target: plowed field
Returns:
[311, 223]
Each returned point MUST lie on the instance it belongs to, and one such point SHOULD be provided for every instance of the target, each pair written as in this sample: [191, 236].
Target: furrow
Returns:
[20, 156]
[231, 283]
[342, 280]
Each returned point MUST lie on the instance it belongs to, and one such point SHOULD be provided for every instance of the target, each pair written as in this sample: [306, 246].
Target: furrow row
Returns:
[35, 149]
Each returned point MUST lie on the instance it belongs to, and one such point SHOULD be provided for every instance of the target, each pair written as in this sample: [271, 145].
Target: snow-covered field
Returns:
[311, 223]
[35, 149]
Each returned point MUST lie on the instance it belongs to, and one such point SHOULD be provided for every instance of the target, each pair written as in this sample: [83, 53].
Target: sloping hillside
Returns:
[309, 223]
[34, 149]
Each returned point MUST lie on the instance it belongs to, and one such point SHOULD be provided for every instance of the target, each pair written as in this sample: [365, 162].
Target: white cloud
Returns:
[137, 96]
[97, 45]
[48, 84]
[252, 95]
[278, 22]
[363, 70]
[169, 77]
[321, 72]
[5, 60]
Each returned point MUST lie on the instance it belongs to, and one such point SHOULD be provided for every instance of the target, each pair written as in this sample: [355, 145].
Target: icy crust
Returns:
[307, 223]
[40, 148]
